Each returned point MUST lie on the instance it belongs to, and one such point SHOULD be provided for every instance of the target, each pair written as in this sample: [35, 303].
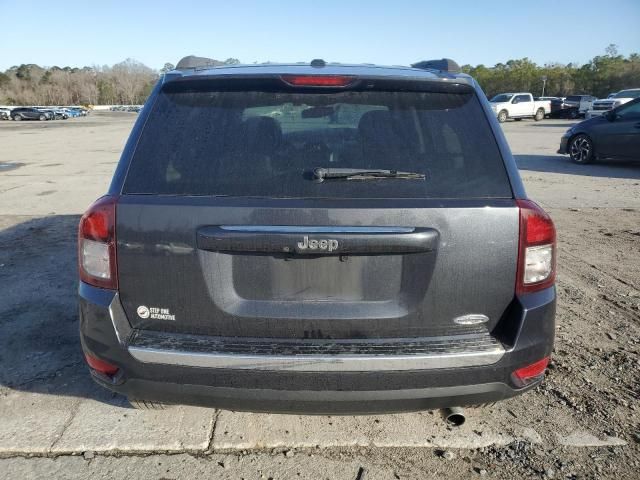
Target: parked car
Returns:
[573, 106]
[58, 113]
[5, 114]
[616, 134]
[71, 112]
[65, 112]
[519, 105]
[254, 263]
[602, 106]
[50, 113]
[29, 113]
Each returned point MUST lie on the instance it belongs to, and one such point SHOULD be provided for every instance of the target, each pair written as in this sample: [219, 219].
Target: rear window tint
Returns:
[267, 144]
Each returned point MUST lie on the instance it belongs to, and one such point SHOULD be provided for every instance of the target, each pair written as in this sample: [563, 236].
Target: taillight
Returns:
[101, 366]
[97, 244]
[318, 80]
[537, 249]
[527, 375]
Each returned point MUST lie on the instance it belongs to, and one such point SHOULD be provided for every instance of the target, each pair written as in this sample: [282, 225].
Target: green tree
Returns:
[167, 68]
[23, 72]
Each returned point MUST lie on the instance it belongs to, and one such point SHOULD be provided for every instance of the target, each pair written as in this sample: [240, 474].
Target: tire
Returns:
[147, 404]
[581, 149]
[573, 114]
[503, 116]
[17, 118]
[42, 118]
[539, 115]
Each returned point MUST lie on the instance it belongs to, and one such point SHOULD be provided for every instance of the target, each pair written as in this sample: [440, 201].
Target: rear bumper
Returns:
[361, 402]
[525, 334]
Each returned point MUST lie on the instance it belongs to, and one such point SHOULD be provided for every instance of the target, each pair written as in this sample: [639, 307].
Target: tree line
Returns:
[604, 74]
[129, 82]
[125, 83]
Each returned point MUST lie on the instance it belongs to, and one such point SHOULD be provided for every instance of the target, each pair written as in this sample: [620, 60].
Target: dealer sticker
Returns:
[155, 313]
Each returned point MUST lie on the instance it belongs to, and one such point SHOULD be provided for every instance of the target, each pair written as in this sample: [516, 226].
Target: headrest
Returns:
[263, 135]
[377, 128]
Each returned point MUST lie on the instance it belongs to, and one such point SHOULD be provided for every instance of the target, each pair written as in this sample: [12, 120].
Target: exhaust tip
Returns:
[454, 416]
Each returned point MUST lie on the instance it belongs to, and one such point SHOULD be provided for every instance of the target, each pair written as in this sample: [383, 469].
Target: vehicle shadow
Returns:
[562, 164]
[39, 346]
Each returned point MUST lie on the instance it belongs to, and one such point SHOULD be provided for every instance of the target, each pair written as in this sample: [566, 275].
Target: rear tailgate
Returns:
[221, 231]
[192, 288]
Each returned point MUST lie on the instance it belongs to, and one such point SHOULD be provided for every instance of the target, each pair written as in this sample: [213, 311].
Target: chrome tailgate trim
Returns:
[445, 353]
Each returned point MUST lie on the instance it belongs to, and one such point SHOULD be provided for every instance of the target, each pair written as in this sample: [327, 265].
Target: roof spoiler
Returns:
[442, 65]
[192, 62]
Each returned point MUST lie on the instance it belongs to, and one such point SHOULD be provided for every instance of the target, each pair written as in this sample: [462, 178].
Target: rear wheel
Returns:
[147, 404]
[581, 149]
[573, 114]
[539, 115]
[502, 116]
[42, 117]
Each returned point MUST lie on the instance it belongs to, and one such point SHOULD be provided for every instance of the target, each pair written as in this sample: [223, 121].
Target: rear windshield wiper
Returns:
[321, 174]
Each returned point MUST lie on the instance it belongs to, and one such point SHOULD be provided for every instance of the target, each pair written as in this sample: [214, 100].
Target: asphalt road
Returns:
[582, 423]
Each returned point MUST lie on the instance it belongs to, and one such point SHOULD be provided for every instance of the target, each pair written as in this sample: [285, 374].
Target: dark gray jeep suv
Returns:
[317, 238]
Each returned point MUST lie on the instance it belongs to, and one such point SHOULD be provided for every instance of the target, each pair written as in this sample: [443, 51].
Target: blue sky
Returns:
[384, 32]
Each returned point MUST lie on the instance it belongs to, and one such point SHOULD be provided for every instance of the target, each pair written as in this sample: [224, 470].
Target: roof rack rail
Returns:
[193, 62]
[442, 65]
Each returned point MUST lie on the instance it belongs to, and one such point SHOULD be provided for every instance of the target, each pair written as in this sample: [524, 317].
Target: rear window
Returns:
[268, 143]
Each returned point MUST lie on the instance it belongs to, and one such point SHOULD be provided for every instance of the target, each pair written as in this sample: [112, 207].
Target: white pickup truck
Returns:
[601, 107]
[519, 105]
